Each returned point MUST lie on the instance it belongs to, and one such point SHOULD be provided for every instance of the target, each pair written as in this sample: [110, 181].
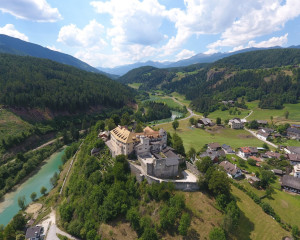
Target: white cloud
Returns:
[10, 30]
[272, 42]
[133, 21]
[36, 10]
[263, 18]
[54, 48]
[184, 54]
[89, 36]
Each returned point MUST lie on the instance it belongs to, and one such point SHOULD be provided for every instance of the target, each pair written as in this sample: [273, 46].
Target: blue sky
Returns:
[110, 33]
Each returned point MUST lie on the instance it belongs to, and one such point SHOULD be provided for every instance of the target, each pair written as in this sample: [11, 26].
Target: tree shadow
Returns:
[244, 229]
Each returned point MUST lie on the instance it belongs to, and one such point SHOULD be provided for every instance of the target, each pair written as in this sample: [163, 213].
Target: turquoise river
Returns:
[9, 204]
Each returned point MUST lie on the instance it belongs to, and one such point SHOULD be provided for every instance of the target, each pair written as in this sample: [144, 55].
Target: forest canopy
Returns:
[33, 82]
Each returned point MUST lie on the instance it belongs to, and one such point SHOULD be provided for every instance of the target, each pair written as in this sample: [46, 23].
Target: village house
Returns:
[204, 122]
[290, 183]
[150, 147]
[278, 172]
[271, 154]
[296, 171]
[246, 152]
[292, 150]
[35, 233]
[262, 135]
[253, 180]
[293, 133]
[236, 123]
[227, 149]
[231, 169]
[214, 146]
[262, 122]
[293, 158]
[214, 155]
[258, 160]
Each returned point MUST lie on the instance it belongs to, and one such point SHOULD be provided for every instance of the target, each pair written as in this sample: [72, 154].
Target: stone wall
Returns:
[193, 169]
[183, 186]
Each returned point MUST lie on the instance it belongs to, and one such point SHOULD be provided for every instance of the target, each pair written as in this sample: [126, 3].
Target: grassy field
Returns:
[254, 223]
[287, 206]
[167, 100]
[11, 125]
[278, 115]
[134, 85]
[225, 114]
[195, 137]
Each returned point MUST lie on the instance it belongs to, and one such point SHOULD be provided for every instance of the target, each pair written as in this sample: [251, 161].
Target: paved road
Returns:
[254, 134]
[192, 114]
[50, 223]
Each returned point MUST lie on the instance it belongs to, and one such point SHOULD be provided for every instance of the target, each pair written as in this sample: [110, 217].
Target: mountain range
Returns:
[19, 47]
[198, 58]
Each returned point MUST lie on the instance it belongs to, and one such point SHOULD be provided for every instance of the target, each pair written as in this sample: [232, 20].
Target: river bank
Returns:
[33, 183]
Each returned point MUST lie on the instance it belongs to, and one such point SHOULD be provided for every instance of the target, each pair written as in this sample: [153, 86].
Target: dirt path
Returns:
[71, 164]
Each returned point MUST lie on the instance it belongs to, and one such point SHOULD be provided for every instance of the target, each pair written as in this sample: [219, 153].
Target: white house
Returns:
[231, 169]
[236, 123]
[297, 171]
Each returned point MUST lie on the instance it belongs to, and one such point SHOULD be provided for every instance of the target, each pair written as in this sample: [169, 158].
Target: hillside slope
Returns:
[39, 83]
[271, 76]
[19, 47]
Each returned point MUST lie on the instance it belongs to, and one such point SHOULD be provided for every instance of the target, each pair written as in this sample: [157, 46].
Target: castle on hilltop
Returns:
[150, 147]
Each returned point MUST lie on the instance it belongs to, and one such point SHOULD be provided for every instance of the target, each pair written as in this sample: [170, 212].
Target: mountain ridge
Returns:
[198, 58]
[11, 45]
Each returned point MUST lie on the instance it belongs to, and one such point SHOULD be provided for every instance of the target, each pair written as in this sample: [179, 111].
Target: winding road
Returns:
[255, 135]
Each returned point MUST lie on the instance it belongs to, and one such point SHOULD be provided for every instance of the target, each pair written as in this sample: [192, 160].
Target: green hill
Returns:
[39, 83]
[270, 76]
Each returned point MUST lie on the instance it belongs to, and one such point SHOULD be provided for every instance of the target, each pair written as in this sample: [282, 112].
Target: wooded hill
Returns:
[271, 76]
[39, 83]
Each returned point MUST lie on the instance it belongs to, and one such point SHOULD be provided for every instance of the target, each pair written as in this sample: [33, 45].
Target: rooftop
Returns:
[291, 181]
[229, 167]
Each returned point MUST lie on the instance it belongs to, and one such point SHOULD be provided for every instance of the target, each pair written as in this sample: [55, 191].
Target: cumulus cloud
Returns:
[89, 36]
[10, 30]
[137, 31]
[268, 16]
[184, 54]
[36, 10]
[133, 21]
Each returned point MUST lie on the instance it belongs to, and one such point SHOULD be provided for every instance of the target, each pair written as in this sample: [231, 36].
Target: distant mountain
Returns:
[19, 47]
[198, 58]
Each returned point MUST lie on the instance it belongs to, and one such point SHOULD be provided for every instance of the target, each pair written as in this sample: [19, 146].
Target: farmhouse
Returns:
[290, 183]
[214, 146]
[262, 135]
[214, 155]
[271, 154]
[231, 169]
[262, 122]
[227, 149]
[236, 123]
[294, 158]
[246, 152]
[296, 171]
[204, 122]
[293, 133]
[35, 233]
[292, 150]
